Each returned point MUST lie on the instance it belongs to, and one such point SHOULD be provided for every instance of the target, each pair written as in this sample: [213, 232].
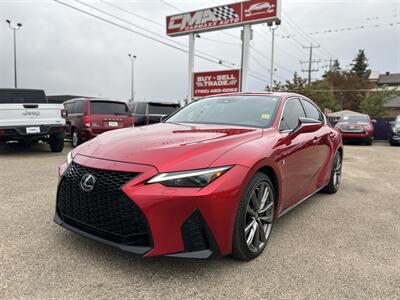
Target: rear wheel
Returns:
[336, 175]
[76, 139]
[254, 219]
[56, 142]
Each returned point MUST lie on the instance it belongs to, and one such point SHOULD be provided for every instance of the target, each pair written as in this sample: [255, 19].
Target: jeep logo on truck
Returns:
[31, 113]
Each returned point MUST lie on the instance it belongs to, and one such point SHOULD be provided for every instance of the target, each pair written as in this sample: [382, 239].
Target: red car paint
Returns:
[356, 127]
[299, 165]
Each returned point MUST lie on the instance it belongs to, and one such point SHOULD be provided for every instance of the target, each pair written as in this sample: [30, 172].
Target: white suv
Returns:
[26, 116]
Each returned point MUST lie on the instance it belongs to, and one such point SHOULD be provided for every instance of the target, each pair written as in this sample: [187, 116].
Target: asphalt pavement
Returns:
[338, 246]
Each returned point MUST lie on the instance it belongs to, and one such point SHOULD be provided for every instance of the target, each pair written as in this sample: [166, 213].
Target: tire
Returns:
[392, 142]
[336, 175]
[76, 139]
[369, 142]
[56, 142]
[254, 217]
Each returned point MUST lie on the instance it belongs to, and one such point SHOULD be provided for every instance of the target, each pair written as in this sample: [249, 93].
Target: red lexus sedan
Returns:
[210, 179]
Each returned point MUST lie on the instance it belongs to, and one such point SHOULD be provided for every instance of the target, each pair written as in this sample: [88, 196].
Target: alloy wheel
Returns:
[74, 139]
[337, 171]
[259, 217]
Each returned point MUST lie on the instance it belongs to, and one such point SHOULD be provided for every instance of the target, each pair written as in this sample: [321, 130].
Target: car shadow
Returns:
[21, 149]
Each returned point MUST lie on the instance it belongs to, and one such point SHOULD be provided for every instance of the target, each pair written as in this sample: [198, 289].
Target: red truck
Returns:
[356, 128]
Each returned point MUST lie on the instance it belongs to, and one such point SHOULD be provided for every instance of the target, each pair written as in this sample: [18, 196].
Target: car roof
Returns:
[94, 99]
[276, 94]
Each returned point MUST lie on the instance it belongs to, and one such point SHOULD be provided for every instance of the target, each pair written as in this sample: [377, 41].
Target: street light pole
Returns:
[132, 58]
[15, 28]
[271, 83]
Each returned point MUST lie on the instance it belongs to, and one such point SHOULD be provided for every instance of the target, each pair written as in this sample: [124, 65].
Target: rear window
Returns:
[108, 108]
[19, 96]
[162, 109]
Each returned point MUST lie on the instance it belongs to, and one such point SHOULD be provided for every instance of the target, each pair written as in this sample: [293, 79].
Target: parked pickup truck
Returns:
[27, 117]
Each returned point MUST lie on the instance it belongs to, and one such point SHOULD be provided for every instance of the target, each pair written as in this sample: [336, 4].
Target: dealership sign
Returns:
[224, 16]
[217, 82]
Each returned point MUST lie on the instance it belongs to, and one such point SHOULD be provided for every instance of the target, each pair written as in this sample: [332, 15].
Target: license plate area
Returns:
[113, 124]
[32, 130]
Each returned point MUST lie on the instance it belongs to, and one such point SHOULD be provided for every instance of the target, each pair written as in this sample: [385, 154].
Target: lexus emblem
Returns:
[87, 182]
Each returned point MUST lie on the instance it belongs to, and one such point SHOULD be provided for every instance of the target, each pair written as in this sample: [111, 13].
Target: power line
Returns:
[132, 13]
[220, 62]
[344, 29]
[146, 30]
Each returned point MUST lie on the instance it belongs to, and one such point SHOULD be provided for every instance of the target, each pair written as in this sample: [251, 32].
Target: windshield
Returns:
[108, 108]
[355, 119]
[251, 111]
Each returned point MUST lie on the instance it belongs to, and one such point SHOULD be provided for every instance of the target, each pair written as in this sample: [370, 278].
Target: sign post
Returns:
[191, 66]
[246, 37]
[223, 17]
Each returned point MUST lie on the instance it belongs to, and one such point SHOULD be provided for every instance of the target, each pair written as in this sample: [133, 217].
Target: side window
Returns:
[311, 111]
[141, 108]
[68, 107]
[291, 114]
[78, 107]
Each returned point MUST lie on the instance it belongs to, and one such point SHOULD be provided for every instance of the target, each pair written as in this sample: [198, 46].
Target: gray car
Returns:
[394, 134]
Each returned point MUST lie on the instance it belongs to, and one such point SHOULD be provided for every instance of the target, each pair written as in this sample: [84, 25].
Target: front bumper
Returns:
[395, 138]
[182, 222]
[357, 136]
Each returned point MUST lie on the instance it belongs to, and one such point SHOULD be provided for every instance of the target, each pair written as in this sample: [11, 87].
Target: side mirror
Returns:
[373, 121]
[305, 125]
[163, 118]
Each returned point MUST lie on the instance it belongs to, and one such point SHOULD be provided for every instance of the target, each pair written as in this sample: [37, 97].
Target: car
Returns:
[89, 117]
[146, 113]
[27, 117]
[259, 8]
[211, 179]
[356, 128]
[394, 132]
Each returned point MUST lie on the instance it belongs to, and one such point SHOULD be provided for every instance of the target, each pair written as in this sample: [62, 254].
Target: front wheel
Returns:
[254, 219]
[336, 175]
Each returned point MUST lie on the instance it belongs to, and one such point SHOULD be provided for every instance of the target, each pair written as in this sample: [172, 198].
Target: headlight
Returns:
[366, 127]
[192, 178]
[69, 158]
[395, 130]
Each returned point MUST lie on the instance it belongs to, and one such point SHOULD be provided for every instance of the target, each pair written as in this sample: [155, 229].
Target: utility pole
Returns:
[310, 62]
[14, 29]
[132, 58]
[271, 83]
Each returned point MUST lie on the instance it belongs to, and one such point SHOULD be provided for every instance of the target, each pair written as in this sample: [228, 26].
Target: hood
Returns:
[169, 146]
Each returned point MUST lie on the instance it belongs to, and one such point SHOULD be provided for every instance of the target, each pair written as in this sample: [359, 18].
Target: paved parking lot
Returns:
[341, 246]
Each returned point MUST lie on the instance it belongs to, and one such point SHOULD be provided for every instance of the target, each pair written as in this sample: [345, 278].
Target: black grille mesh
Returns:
[105, 211]
[194, 234]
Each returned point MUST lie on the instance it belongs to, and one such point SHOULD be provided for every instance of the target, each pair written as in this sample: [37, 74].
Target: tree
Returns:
[360, 65]
[373, 104]
[321, 93]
